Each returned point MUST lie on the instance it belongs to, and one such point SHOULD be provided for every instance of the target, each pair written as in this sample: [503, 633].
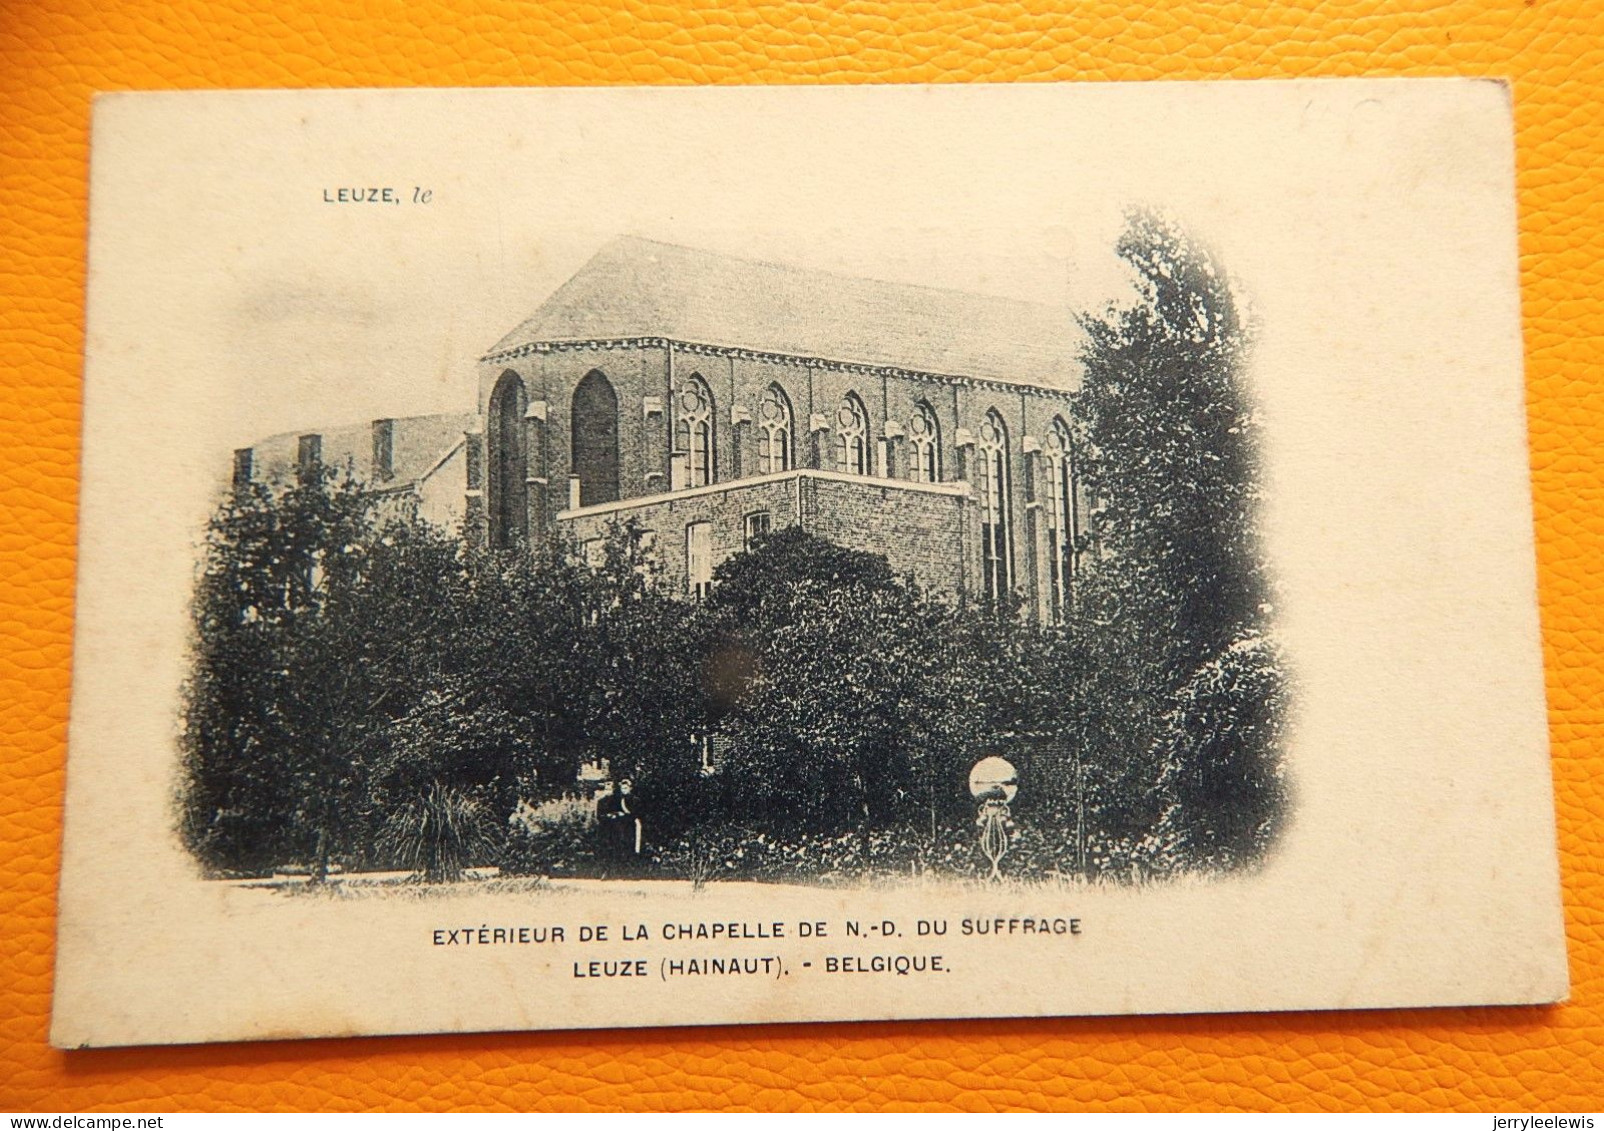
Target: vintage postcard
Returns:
[587, 558]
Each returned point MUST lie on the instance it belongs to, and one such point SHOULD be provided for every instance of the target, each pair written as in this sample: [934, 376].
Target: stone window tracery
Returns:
[996, 518]
[924, 445]
[1063, 519]
[693, 430]
[774, 424]
[852, 437]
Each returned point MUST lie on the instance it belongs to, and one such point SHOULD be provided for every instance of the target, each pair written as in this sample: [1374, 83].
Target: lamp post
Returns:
[993, 783]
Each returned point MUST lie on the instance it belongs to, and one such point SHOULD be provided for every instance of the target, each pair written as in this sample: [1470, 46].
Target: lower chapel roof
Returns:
[637, 288]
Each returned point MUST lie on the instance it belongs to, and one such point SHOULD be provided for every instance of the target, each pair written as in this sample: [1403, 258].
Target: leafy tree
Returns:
[642, 672]
[316, 618]
[502, 718]
[257, 584]
[1171, 447]
[1170, 458]
[843, 703]
[1222, 780]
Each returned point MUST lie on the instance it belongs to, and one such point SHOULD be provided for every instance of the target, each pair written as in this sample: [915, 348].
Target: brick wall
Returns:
[667, 517]
[646, 379]
[922, 532]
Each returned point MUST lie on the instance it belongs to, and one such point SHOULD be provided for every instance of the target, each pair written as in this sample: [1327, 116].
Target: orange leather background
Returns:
[54, 54]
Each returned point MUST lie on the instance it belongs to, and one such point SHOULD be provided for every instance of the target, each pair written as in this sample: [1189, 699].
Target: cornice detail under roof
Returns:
[749, 354]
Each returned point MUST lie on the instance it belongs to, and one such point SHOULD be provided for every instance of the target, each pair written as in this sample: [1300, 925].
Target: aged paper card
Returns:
[568, 559]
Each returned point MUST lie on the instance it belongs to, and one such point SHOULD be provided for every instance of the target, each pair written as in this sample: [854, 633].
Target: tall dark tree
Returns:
[1175, 583]
[506, 717]
[1171, 454]
[643, 696]
[316, 622]
[844, 694]
[258, 582]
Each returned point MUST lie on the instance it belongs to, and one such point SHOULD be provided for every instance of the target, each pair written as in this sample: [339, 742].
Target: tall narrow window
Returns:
[774, 427]
[996, 534]
[702, 748]
[699, 559]
[693, 430]
[383, 449]
[757, 526]
[924, 445]
[509, 463]
[1063, 521]
[852, 437]
[594, 436]
[308, 455]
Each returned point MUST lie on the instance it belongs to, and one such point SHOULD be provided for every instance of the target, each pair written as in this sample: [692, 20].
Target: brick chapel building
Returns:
[705, 399]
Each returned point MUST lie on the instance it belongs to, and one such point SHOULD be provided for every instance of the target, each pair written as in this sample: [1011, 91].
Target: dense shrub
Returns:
[439, 834]
[554, 838]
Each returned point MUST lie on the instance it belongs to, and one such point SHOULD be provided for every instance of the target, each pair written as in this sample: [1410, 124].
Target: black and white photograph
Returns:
[601, 558]
[752, 572]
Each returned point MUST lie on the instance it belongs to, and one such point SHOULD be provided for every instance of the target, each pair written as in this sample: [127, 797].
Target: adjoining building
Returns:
[704, 399]
[419, 461]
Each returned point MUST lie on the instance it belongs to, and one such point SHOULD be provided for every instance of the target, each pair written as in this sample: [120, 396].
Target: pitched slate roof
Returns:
[636, 288]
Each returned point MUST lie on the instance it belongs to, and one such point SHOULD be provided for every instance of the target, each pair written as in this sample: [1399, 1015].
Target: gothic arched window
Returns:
[852, 437]
[693, 430]
[924, 445]
[594, 439]
[996, 519]
[774, 425]
[509, 463]
[1063, 518]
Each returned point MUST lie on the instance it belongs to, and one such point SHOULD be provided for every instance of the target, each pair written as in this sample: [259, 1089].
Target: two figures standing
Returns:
[618, 821]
